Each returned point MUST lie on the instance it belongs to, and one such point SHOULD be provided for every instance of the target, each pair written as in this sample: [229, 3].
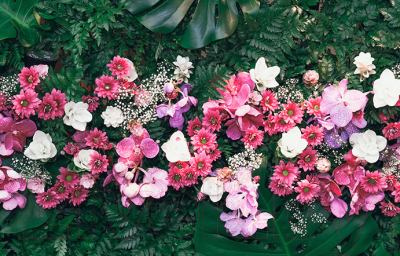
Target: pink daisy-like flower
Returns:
[307, 191]
[396, 193]
[269, 102]
[313, 134]
[98, 163]
[389, 209]
[189, 176]
[392, 131]
[119, 67]
[194, 126]
[29, 78]
[214, 154]
[373, 182]
[62, 190]
[292, 113]
[253, 137]
[92, 102]
[281, 125]
[287, 173]
[97, 139]
[307, 159]
[78, 195]
[314, 106]
[175, 178]
[47, 199]
[201, 164]
[204, 141]
[279, 187]
[391, 182]
[106, 87]
[47, 109]
[60, 99]
[270, 125]
[25, 103]
[212, 120]
[71, 149]
[70, 179]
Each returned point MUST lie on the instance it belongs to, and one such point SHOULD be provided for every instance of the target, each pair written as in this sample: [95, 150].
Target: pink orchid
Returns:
[329, 195]
[233, 222]
[349, 173]
[246, 117]
[372, 200]
[254, 222]
[155, 183]
[10, 183]
[132, 150]
[16, 134]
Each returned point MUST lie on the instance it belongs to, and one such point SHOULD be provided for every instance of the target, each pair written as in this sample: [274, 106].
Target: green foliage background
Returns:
[296, 35]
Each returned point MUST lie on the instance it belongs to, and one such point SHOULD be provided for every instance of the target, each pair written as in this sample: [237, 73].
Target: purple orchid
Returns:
[233, 222]
[155, 183]
[15, 135]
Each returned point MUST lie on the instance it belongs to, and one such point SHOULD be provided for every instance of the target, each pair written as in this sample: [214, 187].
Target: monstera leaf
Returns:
[17, 18]
[212, 19]
[350, 235]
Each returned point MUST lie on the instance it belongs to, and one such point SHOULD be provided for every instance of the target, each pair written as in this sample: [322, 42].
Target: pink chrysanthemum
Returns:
[253, 137]
[78, 195]
[60, 99]
[307, 159]
[307, 191]
[106, 87]
[292, 113]
[98, 163]
[212, 120]
[204, 141]
[47, 199]
[269, 125]
[175, 178]
[392, 131]
[29, 78]
[47, 109]
[119, 67]
[92, 102]
[389, 209]
[287, 173]
[61, 190]
[25, 103]
[189, 176]
[269, 102]
[70, 179]
[314, 106]
[201, 164]
[194, 126]
[391, 182]
[214, 154]
[373, 182]
[279, 187]
[71, 149]
[313, 134]
[281, 125]
[396, 192]
[97, 139]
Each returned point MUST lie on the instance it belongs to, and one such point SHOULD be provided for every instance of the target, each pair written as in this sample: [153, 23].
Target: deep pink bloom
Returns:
[48, 108]
[279, 187]
[204, 141]
[175, 178]
[201, 163]
[194, 126]
[392, 131]
[15, 134]
[389, 209]
[79, 137]
[60, 99]
[98, 140]
[270, 125]
[26, 103]
[47, 199]
[214, 154]
[119, 67]
[253, 137]
[391, 182]
[155, 183]
[29, 78]
[92, 102]
[10, 183]
[287, 173]
[62, 190]
[396, 193]
[307, 159]
[314, 106]
[106, 87]
[70, 179]
[281, 125]
[269, 102]
[313, 134]
[212, 120]
[307, 191]
[189, 176]
[348, 175]
[71, 149]
[292, 113]
[245, 117]
[98, 163]
[78, 195]
[373, 182]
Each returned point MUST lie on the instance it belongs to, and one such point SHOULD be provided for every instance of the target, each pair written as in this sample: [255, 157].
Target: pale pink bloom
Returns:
[36, 185]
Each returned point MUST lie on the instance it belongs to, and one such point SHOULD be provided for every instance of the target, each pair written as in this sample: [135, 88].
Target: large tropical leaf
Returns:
[212, 19]
[350, 235]
[17, 18]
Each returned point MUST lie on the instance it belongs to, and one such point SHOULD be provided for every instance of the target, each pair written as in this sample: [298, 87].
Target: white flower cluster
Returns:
[289, 92]
[30, 169]
[247, 159]
[183, 66]
[9, 85]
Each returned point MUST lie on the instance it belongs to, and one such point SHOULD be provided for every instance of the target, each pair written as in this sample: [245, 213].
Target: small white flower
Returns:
[291, 143]
[264, 76]
[41, 147]
[83, 158]
[87, 181]
[183, 68]
[364, 65]
[112, 116]
[176, 148]
[386, 90]
[77, 115]
[213, 188]
[367, 145]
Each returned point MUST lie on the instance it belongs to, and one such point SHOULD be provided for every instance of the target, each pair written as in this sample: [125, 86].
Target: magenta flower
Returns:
[29, 78]
[98, 140]
[47, 199]
[106, 87]
[119, 67]
[80, 138]
[70, 179]
[49, 108]
[92, 102]
[16, 134]
[253, 137]
[98, 163]
[25, 103]
[78, 195]
[349, 173]
[132, 150]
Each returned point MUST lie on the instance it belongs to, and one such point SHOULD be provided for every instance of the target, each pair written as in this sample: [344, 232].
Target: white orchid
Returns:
[364, 65]
[41, 147]
[77, 115]
[213, 187]
[264, 76]
[291, 143]
[176, 148]
[386, 90]
[367, 145]
[183, 66]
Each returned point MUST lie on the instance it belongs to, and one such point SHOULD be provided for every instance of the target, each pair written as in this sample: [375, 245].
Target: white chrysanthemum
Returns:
[83, 158]
[367, 145]
[364, 65]
[112, 116]
[264, 76]
[386, 90]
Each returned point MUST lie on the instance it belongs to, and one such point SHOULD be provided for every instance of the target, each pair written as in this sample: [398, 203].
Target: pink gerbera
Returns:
[71, 149]
[392, 131]
[106, 87]
[314, 106]
[307, 191]
[70, 179]
[286, 172]
[194, 126]
[269, 102]
[389, 209]
[47, 109]
[212, 120]
[29, 78]
[25, 103]
[313, 134]
[201, 164]
[204, 141]
[270, 125]
[279, 187]
[373, 182]
[214, 154]
[189, 176]
[175, 178]
[61, 190]
[98, 163]
[119, 67]
[307, 159]
[92, 102]
[78, 195]
[292, 113]
[47, 199]
[281, 125]
[60, 99]
[97, 139]
[253, 137]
